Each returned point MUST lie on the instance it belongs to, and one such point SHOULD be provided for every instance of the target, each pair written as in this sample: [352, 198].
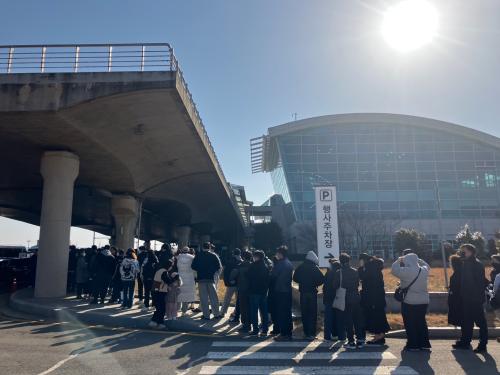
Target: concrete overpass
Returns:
[106, 138]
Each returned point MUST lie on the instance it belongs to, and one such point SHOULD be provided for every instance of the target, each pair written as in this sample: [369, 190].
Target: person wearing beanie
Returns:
[472, 286]
[309, 277]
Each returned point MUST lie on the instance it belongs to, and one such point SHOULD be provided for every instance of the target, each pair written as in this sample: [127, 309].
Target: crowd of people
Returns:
[354, 299]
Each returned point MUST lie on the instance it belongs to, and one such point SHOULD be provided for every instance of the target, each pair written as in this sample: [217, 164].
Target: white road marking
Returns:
[272, 344]
[58, 364]
[325, 370]
[301, 355]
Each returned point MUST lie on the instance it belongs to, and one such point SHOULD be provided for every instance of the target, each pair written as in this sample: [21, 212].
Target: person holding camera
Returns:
[413, 274]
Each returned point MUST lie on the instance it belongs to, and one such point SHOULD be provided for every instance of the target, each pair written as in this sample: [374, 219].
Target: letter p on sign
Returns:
[325, 195]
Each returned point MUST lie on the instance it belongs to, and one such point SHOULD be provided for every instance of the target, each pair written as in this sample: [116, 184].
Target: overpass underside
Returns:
[131, 147]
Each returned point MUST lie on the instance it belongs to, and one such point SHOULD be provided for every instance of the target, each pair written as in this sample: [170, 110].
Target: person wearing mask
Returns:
[161, 282]
[373, 297]
[454, 295]
[243, 285]
[147, 274]
[472, 289]
[414, 273]
[330, 329]
[229, 275]
[352, 316]
[81, 274]
[187, 293]
[102, 269]
[129, 269]
[116, 280]
[258, 273]
[309, 277]
[207, 265]
[281, 279]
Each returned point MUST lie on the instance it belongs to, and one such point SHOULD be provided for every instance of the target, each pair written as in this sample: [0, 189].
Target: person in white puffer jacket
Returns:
[415, 272]
[187, 293]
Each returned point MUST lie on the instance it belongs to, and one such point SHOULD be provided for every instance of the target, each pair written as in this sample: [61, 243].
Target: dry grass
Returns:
[436, 320]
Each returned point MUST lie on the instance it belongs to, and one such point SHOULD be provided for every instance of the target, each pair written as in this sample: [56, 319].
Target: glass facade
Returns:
[390, 171]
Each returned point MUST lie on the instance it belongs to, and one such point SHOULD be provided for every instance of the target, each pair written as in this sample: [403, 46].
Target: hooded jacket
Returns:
[258, 277]
[472, 281]
[328, 291]
[350, 281]
[281, 276]
[372, 283]
[129, 268]
[407, 272]
[230, 269]
[308, 274]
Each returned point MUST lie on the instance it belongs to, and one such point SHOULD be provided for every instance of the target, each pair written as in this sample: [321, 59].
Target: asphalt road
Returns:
[40, 348]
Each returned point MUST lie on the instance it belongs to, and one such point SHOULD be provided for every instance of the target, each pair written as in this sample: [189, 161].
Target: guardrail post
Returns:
[9, 59]
[143, 56]
[172, 57]
[77, 57]
[42, 59]
[110, 54]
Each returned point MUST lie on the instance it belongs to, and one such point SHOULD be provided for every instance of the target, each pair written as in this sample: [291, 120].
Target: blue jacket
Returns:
[281, 276]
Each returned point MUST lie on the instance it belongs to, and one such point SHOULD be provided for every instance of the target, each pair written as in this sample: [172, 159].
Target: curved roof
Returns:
[267, 158]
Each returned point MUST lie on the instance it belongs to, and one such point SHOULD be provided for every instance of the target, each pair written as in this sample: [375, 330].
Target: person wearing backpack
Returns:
[414, 274]
[129, 269]
[148, 269]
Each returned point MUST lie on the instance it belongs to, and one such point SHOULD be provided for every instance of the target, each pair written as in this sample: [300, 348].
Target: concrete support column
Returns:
[59, 170]
[125, 211]
[183, 234]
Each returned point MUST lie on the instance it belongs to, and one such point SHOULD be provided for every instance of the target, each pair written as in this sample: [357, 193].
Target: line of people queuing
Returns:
[263, 290]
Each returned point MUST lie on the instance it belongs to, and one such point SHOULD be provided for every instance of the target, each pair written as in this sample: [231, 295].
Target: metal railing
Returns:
[131, 57]
[58, 58]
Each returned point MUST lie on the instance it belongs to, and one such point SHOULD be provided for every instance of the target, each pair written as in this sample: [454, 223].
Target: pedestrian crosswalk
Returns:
[270, 357]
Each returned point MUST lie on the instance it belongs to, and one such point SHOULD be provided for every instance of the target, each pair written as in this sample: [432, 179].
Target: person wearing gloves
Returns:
[414, 273]
[129, 269]
[309, 278]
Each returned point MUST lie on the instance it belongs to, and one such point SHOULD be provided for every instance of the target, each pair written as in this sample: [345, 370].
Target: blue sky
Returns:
[251, 64]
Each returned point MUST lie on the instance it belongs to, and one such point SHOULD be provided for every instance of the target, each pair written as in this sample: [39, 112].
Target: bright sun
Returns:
[410, 24]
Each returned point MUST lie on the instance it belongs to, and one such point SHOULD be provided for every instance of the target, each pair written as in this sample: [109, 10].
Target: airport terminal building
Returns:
[390, 171]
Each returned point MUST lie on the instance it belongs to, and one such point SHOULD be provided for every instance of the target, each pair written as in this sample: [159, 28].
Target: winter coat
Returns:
[242, 280]
[455, 300]
[187, 289]
[148, 266]
[281, 276]
[350, 282]
[82, 270]
[418, 293]
[258, 276]
[129, 269]
[206, 264]
[161, 281]
[230, 271]
[309, 277]
[103, 266]
[372, 284]
[328, 291]
[473, 281]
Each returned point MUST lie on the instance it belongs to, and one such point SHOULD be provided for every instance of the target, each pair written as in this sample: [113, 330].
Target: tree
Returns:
[466, 235]
[267, 236]
[406, 238]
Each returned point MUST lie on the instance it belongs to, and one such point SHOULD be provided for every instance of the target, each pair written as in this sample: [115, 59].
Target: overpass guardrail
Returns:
[82, 58]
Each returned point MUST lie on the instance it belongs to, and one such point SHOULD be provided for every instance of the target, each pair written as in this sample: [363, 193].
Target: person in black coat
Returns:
[455, 315]
[116, 280]
[495, 270]
[243, 283]
[352, 316]
[330, 329]
[258, 276]
[373, 297]
[472, 289]
[102, 270]
[309, 277]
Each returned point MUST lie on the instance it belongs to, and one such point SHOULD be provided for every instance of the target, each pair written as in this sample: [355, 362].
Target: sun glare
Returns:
[410, 24]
